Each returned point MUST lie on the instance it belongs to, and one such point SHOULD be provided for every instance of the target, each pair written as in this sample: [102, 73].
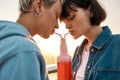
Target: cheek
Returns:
[79, 29]
[51, 21]
[81, 24]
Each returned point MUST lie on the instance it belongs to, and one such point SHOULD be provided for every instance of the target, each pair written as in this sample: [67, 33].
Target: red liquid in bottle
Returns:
[64, 71]
[64, 64]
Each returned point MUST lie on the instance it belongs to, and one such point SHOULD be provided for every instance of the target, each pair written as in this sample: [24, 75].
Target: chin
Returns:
[75, 37]
[45, 36]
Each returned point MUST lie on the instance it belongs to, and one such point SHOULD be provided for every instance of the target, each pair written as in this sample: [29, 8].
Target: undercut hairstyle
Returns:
[25, 5]
[98, 13]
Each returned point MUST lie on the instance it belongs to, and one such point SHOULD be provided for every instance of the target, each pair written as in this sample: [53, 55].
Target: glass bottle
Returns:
[64, 64]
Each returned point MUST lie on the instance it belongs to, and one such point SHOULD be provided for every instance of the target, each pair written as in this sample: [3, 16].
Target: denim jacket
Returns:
[104, 58]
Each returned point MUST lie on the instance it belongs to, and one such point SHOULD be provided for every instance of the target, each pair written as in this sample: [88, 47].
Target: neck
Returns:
[26, 22]
[91, 35]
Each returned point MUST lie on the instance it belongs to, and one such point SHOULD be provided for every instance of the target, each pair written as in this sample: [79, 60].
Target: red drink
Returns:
[64, 62]
[64, 70]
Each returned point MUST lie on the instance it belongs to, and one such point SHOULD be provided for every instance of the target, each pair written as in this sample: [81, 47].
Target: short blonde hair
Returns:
[25, 5]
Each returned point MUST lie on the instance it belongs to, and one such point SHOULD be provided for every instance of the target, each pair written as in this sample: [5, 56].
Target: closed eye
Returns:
[71, 17]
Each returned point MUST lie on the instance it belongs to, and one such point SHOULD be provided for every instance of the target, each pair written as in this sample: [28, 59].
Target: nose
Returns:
[68, 26]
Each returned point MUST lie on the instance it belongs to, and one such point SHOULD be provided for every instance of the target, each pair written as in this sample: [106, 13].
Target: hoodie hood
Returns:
[8, 28]
[10, 39]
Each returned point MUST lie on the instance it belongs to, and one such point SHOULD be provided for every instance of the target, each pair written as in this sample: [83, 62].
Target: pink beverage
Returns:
[64, 64]
[64, 71]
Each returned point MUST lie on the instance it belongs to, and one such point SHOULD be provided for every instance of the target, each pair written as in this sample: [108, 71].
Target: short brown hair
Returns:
[98, 13]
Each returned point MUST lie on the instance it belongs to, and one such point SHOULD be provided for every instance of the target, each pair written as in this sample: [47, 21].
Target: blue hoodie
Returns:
[20, 58]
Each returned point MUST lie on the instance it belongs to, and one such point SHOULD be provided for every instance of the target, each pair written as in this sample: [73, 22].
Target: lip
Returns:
[52, 31]
[71, 32]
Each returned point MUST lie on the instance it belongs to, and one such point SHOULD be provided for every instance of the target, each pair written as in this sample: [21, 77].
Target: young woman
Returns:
[97, 58]
[20, 58]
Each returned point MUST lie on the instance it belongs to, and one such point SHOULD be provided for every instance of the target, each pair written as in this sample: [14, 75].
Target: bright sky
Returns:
[9, 11]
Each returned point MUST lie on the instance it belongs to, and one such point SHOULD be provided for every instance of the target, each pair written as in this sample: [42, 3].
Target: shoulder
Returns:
[24, 43]
[115, 37]
[17, 43]
[114, 42]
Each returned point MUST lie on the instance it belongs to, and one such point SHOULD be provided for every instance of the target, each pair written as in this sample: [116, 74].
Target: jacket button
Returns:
[88, 67]
[92, 50]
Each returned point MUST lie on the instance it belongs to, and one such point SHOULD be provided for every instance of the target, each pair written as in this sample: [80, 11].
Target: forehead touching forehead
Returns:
[57, 6]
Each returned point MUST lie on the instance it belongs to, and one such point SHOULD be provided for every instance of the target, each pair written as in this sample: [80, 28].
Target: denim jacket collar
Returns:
[102, 38]
[99, 41]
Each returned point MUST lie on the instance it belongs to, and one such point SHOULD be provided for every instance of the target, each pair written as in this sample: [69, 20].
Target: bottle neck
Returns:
[63, 47]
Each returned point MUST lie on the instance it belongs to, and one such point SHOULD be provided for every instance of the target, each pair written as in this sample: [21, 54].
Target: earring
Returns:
[36, 14]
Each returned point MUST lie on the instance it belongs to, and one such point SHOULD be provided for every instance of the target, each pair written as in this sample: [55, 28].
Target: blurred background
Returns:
[50, 47]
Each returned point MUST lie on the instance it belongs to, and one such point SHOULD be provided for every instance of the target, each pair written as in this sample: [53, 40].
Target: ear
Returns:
[89, 9]
[37, 6]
